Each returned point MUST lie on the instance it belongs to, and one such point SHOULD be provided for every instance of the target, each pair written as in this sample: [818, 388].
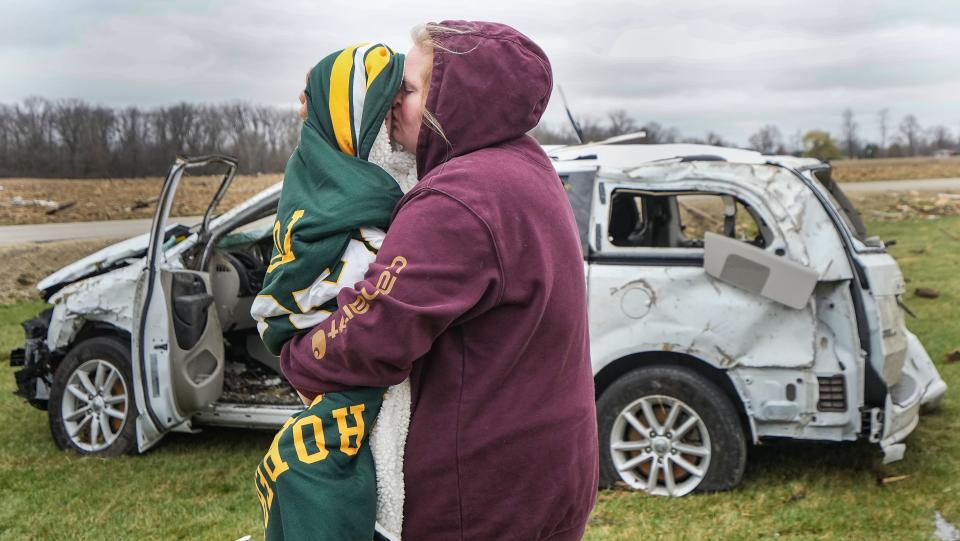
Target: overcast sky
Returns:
[729, 66]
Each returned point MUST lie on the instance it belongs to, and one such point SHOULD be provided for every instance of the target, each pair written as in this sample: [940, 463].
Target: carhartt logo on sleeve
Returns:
[359, 306]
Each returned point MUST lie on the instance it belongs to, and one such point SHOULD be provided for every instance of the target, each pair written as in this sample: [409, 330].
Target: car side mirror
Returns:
[758, 271]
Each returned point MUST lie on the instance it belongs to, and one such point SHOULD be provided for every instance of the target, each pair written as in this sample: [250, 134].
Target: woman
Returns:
[478, 295]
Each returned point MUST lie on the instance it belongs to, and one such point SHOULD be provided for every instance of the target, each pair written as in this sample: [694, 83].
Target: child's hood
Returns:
[349, 93]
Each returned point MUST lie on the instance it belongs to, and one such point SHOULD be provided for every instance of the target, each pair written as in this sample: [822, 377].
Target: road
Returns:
[12, 234]
[128, 228]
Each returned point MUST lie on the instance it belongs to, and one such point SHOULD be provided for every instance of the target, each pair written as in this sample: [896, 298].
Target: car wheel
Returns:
[92, 408]
[668, 431]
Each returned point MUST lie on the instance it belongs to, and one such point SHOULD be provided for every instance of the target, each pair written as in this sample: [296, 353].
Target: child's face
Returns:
[303, 98]
[407, 112]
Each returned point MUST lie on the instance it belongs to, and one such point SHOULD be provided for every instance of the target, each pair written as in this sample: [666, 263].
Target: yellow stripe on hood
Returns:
[376, 60]
[341, 85]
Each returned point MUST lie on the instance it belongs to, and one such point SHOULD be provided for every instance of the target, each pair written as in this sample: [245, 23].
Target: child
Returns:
[318, 480]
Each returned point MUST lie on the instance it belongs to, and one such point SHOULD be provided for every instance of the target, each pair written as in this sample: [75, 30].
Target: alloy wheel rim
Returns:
[660, 445]
[94, 405]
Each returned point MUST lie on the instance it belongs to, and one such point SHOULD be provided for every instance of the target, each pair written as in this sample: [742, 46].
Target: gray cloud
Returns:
[726, 66]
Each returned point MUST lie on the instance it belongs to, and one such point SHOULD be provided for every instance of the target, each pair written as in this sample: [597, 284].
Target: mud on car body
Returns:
[733, 297]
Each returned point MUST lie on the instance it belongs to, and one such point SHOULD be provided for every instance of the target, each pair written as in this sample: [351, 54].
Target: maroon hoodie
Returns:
[478, 295]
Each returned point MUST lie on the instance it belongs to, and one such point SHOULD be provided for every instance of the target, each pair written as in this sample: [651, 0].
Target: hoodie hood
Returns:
[349, 93]
[489, 84]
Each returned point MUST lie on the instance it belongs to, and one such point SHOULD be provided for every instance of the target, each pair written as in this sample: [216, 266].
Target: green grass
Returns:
[197, 486]
[200, 486]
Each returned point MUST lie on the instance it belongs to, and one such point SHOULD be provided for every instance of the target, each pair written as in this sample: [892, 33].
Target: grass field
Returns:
[200, 486]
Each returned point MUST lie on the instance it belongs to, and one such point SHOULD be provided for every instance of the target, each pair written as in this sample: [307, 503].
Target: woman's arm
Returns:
[438, 265]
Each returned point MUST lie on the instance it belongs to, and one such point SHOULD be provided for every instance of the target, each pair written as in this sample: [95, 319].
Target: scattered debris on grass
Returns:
[18, 201]
[143, 203]
[798, 493]
[61, 206]
[954, 356]
[890, 479]
[943, 529]
[898, 206]
[926, 292]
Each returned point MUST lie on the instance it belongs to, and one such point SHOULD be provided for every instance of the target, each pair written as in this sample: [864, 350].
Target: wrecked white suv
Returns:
[733, 297]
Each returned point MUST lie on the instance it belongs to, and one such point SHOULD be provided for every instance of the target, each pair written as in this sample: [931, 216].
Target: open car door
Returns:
[178, 355]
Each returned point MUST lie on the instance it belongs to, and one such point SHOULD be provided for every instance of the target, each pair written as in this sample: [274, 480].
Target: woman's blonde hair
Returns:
[429, 37]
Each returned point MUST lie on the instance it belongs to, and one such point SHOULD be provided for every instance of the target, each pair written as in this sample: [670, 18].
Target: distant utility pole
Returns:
[850, 133]
[797, 142]
[884, 116]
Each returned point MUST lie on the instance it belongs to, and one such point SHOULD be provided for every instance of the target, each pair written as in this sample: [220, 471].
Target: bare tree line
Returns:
[908, 138]
[75, 139]
[618, 122]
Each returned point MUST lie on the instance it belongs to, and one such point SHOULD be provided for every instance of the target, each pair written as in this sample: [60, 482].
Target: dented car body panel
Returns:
[840, 367]
[830, 370]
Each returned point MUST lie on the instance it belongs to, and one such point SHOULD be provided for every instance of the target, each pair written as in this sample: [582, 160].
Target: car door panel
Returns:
[177, 340]
[648, 298]
[196, 346]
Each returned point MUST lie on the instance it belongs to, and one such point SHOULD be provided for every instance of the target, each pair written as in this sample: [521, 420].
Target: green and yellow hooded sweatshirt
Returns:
[317, 480]
[333, 199]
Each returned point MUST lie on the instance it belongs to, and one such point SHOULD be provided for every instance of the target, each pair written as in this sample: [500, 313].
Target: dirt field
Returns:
[114, 199]
[899, 206]
[28, 201]
[895, 169]
[23, 265]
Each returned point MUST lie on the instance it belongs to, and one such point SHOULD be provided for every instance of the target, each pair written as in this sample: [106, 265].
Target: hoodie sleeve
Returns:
[438, 266]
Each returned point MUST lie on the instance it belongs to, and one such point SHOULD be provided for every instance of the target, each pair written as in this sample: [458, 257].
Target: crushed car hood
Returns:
[98, 262]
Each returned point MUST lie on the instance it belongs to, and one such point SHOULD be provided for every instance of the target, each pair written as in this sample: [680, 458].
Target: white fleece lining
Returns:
[387, 441]
[389, 435]
[402, 166]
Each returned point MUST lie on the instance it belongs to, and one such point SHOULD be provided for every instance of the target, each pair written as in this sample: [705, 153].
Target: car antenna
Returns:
[576, 126]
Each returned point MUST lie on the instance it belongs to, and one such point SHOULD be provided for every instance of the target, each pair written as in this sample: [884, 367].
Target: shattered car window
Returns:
[702, 213]
[579, 188]
[839, 200]
[679, 220]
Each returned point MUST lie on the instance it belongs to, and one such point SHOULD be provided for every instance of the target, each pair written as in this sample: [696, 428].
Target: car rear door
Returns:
[177, 340]
[650, 291]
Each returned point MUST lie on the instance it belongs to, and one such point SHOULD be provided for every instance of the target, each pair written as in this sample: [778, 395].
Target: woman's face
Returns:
[407, 112]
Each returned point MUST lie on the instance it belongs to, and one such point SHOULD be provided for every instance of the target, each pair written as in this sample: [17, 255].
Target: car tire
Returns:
[92, 408]
[696, 442]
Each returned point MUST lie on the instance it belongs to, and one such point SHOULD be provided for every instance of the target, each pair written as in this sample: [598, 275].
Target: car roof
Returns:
[625, 157]
[672, 167]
